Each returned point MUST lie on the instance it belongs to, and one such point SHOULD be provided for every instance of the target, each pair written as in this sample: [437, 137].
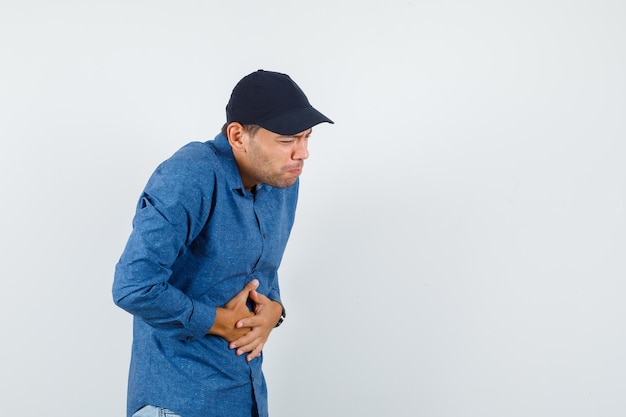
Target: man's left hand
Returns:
[266, 315]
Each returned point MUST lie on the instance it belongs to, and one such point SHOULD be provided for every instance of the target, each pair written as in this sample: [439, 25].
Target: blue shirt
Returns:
[198, 238]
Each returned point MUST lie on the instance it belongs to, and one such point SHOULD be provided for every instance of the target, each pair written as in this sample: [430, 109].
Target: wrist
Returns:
[220, 325]
[283, 314]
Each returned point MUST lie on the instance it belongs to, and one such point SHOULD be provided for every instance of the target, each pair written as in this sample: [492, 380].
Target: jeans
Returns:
[152, 411]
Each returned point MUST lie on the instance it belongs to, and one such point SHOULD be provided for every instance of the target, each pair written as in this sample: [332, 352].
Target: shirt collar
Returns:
[229, 165]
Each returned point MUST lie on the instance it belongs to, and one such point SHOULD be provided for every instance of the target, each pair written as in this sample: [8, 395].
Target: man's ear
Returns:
[235, 132]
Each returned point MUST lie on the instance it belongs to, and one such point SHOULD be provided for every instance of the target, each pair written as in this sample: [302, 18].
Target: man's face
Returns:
[274, 159]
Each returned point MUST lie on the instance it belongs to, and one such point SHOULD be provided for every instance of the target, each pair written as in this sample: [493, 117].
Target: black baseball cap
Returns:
[273, 101]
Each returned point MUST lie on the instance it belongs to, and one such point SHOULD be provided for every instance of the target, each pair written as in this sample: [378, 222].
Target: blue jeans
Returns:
[152, 411]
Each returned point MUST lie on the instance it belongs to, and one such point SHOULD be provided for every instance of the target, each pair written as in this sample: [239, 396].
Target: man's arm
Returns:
[170, 213]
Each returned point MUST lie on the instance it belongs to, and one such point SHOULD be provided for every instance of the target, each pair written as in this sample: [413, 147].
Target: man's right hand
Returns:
[236, 309]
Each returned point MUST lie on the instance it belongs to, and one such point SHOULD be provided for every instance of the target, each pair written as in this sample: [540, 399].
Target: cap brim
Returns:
[295, 121]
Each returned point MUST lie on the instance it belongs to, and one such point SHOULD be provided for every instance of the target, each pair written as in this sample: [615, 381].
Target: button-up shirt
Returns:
[198, 238]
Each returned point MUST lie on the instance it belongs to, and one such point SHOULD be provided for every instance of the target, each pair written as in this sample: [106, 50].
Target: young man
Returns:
[199, 271]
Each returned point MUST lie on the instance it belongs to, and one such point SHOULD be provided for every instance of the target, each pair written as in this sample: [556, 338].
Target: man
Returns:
[199, 271]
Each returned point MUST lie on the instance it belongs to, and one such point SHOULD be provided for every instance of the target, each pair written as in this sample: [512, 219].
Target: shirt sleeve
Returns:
[170, 213]
[274, 295]
[274, 290]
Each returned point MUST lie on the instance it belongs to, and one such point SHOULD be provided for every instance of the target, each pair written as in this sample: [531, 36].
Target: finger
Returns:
[244, 340]
[251, 321]
[249, 288]
[254, 296]
[256, 352]
[236, 334]
[242, 296]
[255, 345]
[260, 298]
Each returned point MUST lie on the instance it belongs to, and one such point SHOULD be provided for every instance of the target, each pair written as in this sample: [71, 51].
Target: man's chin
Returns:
[284, 183]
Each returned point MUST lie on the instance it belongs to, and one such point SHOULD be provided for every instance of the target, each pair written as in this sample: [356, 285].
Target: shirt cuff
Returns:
[200, 322]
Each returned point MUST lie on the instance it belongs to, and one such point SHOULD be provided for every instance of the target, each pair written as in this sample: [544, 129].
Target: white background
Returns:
[460, 242]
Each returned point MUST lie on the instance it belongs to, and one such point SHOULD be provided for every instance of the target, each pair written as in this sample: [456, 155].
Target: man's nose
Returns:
[301, 151]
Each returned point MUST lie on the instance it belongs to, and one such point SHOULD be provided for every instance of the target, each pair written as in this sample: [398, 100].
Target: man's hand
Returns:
[228, 318]
[266, 315]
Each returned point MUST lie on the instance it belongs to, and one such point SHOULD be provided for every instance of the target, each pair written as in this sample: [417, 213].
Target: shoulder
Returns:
[197, 154]
[195, 159]
[190, 171]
